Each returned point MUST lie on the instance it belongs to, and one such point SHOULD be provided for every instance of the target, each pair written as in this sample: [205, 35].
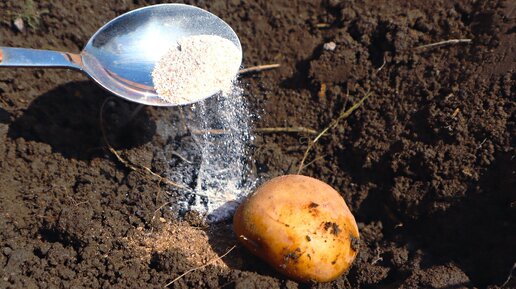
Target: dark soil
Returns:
[427, 164]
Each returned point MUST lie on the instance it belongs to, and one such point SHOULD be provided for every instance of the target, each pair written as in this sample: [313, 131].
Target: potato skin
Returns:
[299, 225]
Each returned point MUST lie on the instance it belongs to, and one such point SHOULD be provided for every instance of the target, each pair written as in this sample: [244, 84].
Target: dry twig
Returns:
[313, 161]
[511, 275]
[184, 159]
[4, 102]
[455, 112]
[200, 267]
[332, 125]
[157, 210]
[259, 68]
[383, 65]
[209, 131]
[322, 25]
[296, 129]
[445, 42]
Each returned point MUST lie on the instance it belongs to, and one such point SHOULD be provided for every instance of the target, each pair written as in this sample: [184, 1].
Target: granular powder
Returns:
[215, 166]
[198, 67]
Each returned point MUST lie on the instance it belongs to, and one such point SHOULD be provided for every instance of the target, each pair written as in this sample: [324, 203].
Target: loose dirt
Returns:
[426, 164]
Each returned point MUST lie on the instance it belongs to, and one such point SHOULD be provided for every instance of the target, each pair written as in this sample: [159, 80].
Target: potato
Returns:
[300, 226]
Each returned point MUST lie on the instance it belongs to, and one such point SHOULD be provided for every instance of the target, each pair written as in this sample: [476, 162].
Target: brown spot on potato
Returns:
[336, 229]
[293, 256]
[336, 258]
[312, 209]
[327, 225]
[308, 238]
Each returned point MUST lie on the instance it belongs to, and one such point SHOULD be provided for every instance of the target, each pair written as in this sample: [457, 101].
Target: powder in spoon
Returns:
[198, 67]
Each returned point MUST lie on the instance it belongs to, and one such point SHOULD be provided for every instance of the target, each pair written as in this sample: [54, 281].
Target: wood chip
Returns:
[19, 24]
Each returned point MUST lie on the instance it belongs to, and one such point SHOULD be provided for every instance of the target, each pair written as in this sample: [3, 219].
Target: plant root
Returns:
[297, 129]
[200, 267]
[332, 125]
[134, 167]
[445, 42]
[258, 68]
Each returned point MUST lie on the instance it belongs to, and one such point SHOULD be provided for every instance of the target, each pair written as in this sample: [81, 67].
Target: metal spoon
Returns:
[121, 55]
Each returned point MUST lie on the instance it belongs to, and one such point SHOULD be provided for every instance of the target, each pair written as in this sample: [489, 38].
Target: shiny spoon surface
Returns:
[121, 55]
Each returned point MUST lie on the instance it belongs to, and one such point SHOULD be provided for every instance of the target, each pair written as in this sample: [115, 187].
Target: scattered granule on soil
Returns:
[198, 67]
[190, 241]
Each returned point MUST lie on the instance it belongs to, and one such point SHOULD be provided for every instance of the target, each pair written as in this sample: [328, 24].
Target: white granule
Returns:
[198, 67]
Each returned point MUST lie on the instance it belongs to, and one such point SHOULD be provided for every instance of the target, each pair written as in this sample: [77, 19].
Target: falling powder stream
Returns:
[214, 152]
[221, 130]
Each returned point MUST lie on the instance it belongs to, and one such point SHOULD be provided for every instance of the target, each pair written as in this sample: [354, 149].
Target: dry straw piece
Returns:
[198, 67]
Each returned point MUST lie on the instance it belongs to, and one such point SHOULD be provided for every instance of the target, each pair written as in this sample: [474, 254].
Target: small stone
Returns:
[330, 46]
[19, 24]
[163, 220]
[7, 251]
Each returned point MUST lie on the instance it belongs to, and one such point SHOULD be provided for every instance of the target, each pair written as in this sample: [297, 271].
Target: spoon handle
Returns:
[24, 57]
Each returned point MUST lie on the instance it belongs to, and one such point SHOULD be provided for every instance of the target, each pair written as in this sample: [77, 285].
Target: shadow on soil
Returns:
[240, 258]
[478, 234]
[301, 78]
[67, 118]
[4, 116]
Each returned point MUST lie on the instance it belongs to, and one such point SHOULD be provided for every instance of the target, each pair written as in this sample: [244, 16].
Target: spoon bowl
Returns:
[122, 54]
